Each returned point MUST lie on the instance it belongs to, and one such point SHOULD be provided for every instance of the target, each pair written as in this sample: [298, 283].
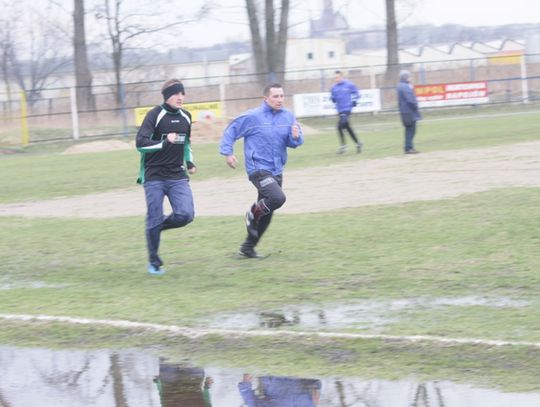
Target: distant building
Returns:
[330, 24]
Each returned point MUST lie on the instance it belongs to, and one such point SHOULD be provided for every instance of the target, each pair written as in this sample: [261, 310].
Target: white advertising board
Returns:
[451, 94]
[320, 104]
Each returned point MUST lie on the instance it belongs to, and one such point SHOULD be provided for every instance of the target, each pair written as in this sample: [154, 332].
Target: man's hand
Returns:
[231, 161]
[171, 137]
[295, 129]
[192, 170]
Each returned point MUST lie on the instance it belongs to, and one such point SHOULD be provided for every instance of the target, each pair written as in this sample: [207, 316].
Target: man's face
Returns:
[176, 100]
[275, 98]
[338, 78]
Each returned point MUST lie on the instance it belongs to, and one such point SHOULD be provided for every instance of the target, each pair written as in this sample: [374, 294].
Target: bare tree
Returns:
[77, 33]
[10, 15]
[6, 53]
[123, 27]
[83, 76]
[269, 53]
[34, 61]
[392, 55]
[118, 381]
[256, 38]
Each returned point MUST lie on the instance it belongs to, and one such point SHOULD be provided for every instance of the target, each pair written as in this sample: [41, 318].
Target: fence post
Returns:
[322, 82]
[222, 99]
[422, 71]
[24, 119]
[472, 70]
[524, 80]
[74, 113]
[372, 77]
[123, 111]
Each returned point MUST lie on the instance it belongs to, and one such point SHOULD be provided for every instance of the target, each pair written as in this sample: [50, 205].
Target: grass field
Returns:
[459, 268]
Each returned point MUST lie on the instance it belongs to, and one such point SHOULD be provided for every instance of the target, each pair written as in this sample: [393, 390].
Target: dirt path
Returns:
[427, 176]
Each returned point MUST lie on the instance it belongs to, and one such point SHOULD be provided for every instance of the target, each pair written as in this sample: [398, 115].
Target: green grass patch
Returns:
[481, 245]
[44, 173]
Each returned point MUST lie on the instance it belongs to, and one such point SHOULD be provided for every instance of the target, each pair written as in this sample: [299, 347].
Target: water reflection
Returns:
[46, 378]
[272, 391]
[183, 386]
[368, 314]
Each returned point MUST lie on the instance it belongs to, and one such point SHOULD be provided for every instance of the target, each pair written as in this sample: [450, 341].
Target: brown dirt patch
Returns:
[427, 176]
[99, 146]
[8, 151]
[210, 130]
[203, 131]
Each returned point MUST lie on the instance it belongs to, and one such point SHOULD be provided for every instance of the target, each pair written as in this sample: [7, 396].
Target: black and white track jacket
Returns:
[160, 159]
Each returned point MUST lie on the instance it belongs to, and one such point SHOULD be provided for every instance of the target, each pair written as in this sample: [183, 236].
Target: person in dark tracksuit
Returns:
[345, 95]
[408, 109]
[267, 131]
[166, 157]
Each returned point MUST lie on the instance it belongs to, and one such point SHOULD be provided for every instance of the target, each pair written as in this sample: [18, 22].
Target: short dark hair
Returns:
[169, 83]
[267, 88]
[338, 72]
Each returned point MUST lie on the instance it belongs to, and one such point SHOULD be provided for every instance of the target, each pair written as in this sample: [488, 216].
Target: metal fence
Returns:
[51, 116]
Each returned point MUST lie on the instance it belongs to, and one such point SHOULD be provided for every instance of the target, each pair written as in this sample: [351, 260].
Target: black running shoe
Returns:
[249, 253]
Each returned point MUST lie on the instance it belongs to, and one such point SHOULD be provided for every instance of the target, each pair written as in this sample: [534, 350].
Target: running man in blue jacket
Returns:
[267, 131]
[345, 95]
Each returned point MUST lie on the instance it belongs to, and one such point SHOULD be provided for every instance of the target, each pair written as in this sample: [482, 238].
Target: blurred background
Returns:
[73, 68]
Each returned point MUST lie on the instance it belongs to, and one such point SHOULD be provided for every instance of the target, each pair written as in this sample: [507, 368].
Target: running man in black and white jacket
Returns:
[166, 159]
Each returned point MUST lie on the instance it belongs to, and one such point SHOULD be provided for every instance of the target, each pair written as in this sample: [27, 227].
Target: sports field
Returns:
[381, 265]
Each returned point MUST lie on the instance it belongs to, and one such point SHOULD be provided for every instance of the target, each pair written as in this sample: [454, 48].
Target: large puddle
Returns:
[47, 378]
[367, 314]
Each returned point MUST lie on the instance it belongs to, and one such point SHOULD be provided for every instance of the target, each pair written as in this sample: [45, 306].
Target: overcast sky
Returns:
[229, 18]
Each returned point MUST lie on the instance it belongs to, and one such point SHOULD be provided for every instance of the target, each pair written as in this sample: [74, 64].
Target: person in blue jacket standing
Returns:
[408, 109]
[267, 131]
[345, 95]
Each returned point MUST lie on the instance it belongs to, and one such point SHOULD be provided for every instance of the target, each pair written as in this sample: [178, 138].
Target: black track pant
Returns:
[343, 124]
[271, 196]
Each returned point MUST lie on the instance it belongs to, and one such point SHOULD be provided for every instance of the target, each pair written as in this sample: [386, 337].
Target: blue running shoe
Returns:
[155, 271]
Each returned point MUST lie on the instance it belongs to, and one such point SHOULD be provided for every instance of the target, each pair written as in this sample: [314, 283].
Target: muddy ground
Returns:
[426, 176]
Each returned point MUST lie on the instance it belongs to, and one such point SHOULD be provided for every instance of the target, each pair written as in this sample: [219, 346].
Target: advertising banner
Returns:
[505, 58]
[320, 104]
[199, 111]
[451, 94]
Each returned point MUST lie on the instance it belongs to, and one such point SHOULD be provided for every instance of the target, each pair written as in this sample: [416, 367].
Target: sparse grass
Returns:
[482, 245]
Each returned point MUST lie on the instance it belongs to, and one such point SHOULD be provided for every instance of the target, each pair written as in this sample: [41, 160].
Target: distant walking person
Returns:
[345, 95]
[408, 109]
[164, 143]
[267, 131]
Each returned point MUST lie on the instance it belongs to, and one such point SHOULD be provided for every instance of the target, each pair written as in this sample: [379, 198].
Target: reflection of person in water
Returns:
[183, 386]
[273, 391]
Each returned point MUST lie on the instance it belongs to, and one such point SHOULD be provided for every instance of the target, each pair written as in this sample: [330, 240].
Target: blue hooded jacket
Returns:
[267, 133]
[408, 104]
[281, 392]
[343, 94]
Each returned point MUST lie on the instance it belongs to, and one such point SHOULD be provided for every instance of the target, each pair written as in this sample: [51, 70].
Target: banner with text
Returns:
[320, 104]
[199, 111]
[451, 94]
